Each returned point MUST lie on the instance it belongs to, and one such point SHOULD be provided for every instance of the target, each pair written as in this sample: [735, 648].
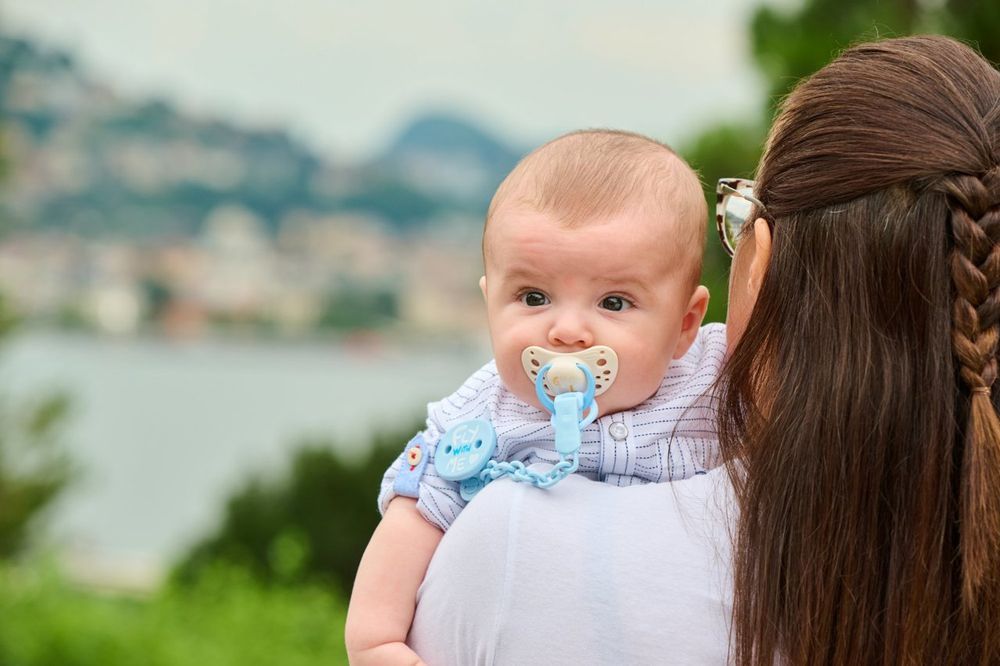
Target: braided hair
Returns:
[974, 205]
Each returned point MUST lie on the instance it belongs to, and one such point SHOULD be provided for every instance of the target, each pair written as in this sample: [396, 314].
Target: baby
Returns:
[592, 253]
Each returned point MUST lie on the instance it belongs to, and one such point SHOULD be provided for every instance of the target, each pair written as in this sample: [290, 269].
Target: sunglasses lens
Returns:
[736, 212]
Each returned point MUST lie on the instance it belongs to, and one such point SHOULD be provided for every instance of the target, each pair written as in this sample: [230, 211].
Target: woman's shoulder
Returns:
[583, 572]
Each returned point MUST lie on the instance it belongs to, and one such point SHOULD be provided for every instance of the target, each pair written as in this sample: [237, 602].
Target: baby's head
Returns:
[596, 238]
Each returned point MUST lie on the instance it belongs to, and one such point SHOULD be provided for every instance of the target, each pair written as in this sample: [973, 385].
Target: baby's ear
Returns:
[693, 316]
[482, 286]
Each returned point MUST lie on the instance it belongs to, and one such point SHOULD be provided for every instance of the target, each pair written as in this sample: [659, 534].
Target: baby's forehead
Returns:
[519, 225]
[632, 245]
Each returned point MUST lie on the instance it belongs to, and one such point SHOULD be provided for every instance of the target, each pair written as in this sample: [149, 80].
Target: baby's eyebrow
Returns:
[522, 274]
[632, 281]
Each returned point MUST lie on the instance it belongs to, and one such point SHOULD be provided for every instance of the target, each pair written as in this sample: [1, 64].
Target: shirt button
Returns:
[618, 431]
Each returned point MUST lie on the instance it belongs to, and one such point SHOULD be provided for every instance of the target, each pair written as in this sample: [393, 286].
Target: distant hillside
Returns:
[81, 157]
[449, 157]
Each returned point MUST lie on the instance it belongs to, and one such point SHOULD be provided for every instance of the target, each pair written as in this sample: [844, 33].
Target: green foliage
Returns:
[789, 44]
[34, 468]
[224, 617]
[725, 151]
[312, 524]
[792, 42]
[975, 21]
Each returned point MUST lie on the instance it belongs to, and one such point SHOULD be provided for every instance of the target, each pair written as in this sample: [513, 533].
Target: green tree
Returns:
[311, 524]
[790, 43]
[225, 618]
[724, 151]
[34, 468]
[977, 22]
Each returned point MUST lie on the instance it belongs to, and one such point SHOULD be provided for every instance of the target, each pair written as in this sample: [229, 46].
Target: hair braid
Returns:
[975, 273]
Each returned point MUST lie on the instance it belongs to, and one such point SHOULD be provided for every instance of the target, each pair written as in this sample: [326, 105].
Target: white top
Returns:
[582, 573]
[668, 437]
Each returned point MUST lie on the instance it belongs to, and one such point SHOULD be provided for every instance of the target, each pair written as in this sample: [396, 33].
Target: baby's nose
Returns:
[570, 330]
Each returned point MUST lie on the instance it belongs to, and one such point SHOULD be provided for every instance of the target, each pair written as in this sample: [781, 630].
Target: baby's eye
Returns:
[616, 303]
[534, 299]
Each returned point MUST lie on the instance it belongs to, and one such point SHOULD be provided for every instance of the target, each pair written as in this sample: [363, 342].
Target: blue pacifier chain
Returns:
[463, 454]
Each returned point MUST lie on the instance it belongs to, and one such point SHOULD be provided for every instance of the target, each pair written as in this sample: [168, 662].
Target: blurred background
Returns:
[239, 252]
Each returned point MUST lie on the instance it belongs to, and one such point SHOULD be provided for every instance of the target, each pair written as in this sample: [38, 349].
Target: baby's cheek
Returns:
[639, 384]
[517, 382]
[508, 346]
[515, 379]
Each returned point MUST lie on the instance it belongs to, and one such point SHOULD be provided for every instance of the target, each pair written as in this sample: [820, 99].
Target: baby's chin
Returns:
[614, 401]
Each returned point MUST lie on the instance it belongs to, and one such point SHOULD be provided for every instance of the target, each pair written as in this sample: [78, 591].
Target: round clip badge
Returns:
[463, 451]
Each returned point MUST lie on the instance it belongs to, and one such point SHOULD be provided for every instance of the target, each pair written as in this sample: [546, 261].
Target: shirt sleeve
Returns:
[438, 500]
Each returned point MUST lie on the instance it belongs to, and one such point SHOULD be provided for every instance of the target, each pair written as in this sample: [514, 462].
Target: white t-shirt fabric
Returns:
[582, 573]
[670, 436]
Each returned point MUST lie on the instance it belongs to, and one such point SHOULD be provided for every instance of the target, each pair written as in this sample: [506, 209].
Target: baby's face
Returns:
[623, 282]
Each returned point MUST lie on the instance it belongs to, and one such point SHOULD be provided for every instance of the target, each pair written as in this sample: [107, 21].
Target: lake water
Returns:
[163, 432]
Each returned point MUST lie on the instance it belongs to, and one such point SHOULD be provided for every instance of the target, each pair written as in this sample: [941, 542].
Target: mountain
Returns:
[447, 156]
[82, 158]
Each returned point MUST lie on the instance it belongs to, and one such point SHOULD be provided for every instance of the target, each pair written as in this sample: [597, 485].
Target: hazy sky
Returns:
[347, 75]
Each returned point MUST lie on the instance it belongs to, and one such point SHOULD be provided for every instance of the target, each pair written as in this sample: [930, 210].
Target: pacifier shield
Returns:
[564, 376]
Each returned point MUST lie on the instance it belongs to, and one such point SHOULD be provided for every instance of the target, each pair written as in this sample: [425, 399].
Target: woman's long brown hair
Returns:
[856, 416]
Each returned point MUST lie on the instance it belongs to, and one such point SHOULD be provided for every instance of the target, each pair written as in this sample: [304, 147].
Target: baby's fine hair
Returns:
[594, 174]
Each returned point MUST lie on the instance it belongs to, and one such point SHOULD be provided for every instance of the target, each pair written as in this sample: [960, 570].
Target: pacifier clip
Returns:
[465, 451]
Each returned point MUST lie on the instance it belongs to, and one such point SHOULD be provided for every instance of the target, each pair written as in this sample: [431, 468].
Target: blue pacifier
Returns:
[464, 451]
[568, 408]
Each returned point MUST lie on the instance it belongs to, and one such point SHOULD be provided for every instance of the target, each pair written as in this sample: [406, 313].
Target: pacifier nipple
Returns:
[564, 376]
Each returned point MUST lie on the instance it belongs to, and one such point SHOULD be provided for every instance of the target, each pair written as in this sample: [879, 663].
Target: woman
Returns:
[859, 393]
[858, 517]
